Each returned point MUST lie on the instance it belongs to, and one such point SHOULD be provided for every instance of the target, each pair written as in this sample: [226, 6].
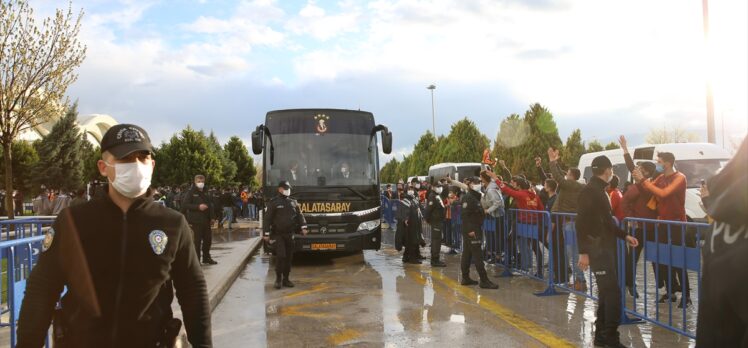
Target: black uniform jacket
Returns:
[435, 210]
[472, 213]
[595, 225]
[283, 217]
[133, 259]
[191, 201]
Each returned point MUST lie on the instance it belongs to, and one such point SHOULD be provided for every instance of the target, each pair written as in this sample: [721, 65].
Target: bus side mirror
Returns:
[387, 142]
[257, 141]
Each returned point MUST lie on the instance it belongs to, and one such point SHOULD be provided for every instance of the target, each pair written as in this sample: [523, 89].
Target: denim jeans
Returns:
[228, 215]
[252, 211]
[572, 251]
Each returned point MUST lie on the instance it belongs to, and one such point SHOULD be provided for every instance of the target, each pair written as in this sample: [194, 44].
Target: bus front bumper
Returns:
[353, 241]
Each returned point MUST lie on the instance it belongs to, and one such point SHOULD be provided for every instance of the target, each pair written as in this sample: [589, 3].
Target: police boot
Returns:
[437, 263]
[287, 283]
[599, 338]
[487, 284]
[278, 281]
[467, 281]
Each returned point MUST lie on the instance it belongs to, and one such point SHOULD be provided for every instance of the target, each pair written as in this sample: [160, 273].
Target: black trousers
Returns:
[436, 240]
[603, 264]
[284, 249]
[472, 253]
[203, 238]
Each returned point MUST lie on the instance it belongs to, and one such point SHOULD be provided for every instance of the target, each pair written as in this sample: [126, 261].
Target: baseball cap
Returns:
[601, 162]
[124, 139]
[284, 184]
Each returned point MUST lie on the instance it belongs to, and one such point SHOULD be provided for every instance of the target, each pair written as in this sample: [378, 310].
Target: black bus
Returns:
[331, 159]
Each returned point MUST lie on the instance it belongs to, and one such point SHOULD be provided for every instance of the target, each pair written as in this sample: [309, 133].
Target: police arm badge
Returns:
[49, 237]
[158, 240]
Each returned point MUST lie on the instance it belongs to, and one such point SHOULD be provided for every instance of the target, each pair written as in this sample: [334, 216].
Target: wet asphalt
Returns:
[370, 299]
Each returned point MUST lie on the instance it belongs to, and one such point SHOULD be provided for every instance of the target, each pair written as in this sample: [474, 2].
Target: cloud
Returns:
[314, 21]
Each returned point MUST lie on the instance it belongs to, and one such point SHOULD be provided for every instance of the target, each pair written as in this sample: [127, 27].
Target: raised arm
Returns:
[626, 155]
[668, 190]
[539, 166]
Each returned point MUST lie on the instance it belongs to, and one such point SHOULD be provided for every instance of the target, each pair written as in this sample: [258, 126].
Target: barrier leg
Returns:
[621, 265]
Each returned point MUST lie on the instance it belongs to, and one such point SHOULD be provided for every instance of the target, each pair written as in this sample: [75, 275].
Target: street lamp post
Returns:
[433, 117]
[710, 131]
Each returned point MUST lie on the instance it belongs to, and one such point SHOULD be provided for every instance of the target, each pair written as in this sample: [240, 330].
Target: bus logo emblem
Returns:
[321, 122]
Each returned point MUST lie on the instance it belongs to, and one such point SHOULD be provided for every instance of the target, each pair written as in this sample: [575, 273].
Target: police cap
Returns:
[123, 139]
[284, 184]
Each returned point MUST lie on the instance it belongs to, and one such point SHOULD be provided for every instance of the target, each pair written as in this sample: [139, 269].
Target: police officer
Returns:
[435, 214]
[198, 208]
[120, 257]
[597, 233]
[409, 226]
[472, 235]
[282, 220]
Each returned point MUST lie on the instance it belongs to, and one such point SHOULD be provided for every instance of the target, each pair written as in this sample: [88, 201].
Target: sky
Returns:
[606, 67]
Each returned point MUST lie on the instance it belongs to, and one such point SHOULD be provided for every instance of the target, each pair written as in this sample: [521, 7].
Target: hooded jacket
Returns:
[525, 200]
[492, 201]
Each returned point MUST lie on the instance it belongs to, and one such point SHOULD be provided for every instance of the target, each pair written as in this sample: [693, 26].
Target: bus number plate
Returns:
[324, 246]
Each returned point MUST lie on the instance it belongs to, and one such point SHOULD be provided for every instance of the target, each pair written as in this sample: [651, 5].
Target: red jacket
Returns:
[526, 200]
[615, 204]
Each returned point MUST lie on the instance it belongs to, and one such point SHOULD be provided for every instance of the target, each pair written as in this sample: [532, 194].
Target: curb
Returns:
[216, 294]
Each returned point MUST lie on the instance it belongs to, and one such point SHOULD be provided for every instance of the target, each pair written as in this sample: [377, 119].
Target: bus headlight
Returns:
[368, 225]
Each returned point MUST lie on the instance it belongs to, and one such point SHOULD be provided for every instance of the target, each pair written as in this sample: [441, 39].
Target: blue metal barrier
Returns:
[673, 248]
[23, 227]
[19, 257]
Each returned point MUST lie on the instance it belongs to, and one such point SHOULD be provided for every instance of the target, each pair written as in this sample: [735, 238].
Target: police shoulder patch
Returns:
[158, 240]
[49, 237]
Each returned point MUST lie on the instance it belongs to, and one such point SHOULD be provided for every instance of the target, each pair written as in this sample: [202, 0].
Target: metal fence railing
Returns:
[543, 246]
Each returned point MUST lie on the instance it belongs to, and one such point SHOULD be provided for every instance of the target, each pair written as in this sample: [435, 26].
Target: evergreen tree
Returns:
[424, 154]
[25, 159]
[245, 167]
[62, 155]
[519, 141]
[465, 143]
[91, 156]
[388, 173]
[594, 146]
[228, 167]
[185, 155]
[574, 148]
[612, 146]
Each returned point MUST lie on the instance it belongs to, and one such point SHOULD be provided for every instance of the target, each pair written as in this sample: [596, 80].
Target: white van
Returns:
[456, 171]
[696, 160]
[420, 178]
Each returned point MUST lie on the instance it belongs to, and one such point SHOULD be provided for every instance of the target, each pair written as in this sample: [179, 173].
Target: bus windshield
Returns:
[309, 159]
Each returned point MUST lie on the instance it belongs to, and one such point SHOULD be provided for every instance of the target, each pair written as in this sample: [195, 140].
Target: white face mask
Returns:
[439, 190]
[287, 192]
[200, 185]
[418, 186]
[410, 192]
[132, 179]
[344, 170]
[476, 187]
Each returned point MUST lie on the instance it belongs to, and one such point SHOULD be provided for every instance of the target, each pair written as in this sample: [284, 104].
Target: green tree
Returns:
[594, 146]
[520, 140]
[62, 155]
[388, 173]
[185, 155]
[37, 64]
[228, 167]
[574, 148]
[25, 159]
[423, 155]
[464, 143]
[91, 156]
[612, 146]
[245, 167]
[675, 134]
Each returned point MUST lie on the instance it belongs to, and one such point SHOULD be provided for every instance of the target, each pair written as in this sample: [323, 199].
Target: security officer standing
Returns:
[597, 238]
[120, 257]
[435, 214]
[282, 220]
[409, 226]
[472, 235]
[197, 206]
